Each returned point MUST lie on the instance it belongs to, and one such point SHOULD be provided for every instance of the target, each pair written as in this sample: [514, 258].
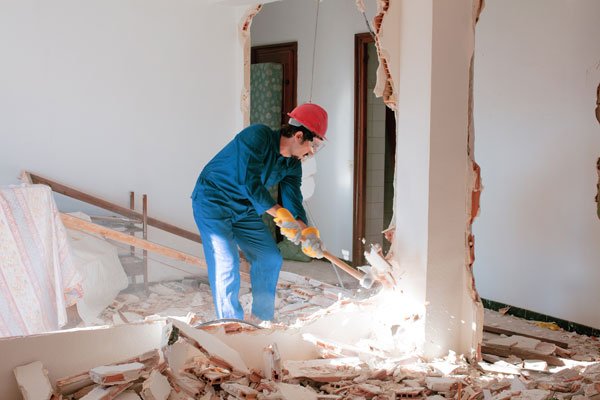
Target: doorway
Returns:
[284, 55]
[374, 153]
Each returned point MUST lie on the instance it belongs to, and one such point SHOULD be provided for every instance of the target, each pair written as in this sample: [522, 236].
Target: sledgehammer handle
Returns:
[348, 269]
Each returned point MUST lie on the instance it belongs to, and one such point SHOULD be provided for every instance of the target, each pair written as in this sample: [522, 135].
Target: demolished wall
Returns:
[333, 88]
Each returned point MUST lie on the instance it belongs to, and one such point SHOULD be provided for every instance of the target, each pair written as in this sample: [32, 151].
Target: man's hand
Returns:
[312, 245]
[290, 228]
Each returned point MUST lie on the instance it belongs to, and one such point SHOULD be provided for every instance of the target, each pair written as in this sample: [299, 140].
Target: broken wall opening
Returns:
[386, 87]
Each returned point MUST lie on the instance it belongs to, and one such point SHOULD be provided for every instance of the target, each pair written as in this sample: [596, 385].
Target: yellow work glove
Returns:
[311, 242]
[290, 228]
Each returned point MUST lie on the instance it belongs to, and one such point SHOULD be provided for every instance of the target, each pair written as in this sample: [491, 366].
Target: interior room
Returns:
[455, 195]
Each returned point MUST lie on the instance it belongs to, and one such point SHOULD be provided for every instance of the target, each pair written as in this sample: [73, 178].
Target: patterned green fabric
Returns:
[266, 94]
[266, 97]
[265, 107]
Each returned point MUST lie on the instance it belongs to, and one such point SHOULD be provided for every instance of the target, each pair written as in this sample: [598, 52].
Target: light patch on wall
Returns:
[244, 32]
[598, 162]
[473, 201]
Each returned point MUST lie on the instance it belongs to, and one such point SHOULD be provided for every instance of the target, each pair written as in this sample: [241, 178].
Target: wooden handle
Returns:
[348, 269]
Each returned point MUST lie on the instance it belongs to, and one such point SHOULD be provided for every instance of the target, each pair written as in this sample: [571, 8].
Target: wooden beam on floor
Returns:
[509, 332]
[72, 222]
[506, 351]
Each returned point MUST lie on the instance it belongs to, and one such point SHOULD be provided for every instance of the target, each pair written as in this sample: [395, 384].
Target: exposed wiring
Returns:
[312, 75]
[369, 26]
[224, 320]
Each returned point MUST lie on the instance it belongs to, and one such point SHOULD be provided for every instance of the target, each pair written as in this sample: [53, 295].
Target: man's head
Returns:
[306, 130]
[301, 143]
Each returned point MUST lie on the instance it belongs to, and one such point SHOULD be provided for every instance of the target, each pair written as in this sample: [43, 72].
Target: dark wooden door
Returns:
[285, 54]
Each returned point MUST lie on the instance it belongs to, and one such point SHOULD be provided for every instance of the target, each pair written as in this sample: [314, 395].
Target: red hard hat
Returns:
[312, 116]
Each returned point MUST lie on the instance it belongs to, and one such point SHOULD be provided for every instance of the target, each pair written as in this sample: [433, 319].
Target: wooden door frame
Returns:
[287, 55]
[361, 40]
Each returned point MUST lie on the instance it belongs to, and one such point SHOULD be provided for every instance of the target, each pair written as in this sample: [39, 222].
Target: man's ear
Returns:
[299, 135]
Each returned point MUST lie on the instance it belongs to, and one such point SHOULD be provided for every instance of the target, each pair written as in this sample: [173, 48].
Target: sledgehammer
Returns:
[365, 280]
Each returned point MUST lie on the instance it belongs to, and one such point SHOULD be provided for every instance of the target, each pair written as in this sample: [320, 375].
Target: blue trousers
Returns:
[222, 230]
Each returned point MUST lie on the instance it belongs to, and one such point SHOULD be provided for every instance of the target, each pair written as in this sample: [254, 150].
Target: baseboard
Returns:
[535, 316]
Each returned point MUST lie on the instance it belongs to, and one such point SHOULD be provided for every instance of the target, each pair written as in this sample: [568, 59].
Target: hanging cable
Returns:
[369, 26]
[312, 75]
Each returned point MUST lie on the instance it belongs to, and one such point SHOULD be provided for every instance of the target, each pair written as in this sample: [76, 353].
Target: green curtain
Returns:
[266, 85]
[266, 91]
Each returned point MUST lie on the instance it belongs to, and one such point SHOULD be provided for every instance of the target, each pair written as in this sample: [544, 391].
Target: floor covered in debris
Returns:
[521, 359]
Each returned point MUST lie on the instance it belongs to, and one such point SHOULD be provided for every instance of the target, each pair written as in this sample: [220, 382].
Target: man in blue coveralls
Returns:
[231, 194]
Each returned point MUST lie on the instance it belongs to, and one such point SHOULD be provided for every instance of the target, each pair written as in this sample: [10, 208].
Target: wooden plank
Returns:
[81, 225]
[505, 351]
[508, 332]
[98, 202]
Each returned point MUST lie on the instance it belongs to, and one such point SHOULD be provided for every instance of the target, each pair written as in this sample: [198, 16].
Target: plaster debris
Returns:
[33, 381]
[216, 350]
[128, 395]
[199, 364]
[117, 374]
[156, 387]
[104, 392]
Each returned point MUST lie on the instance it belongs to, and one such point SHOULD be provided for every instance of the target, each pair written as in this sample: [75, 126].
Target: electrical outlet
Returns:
[345, 254]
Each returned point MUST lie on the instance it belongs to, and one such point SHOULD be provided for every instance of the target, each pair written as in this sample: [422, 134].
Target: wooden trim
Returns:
[79, 224]
[361, 40]
[287, 55]
[508, 332]
[506, 351]
[96, 201]
[72, 222]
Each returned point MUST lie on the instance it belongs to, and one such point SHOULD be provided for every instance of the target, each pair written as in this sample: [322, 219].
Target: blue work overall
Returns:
[229, 197]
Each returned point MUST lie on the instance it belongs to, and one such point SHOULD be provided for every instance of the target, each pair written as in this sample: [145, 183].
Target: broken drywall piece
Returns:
[179, 353]
[213, 346]
[296, 392]
[441, 384]
[381, 269]
[106, 392]
[33, 381]
[117, 374]
[323, 370]
[156, 387]
[128, 395]
[239, 391]
[272, 363]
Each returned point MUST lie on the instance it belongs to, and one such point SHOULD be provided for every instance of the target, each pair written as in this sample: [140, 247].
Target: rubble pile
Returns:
[198, 365]
[297, 298]
[327, 343]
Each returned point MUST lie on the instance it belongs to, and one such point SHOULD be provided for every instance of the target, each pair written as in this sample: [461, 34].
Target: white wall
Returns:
[110, 96]
[537, 240]
[333, 88]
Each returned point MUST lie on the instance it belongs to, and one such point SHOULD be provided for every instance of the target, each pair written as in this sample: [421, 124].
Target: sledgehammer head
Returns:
[367, 281]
